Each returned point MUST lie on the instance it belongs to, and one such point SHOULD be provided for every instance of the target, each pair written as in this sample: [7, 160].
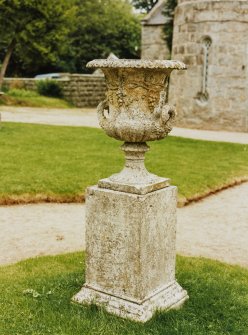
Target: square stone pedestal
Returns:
[130, 252]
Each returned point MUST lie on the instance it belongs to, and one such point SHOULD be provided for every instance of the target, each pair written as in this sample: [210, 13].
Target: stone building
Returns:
[211, 37]
[153, 44]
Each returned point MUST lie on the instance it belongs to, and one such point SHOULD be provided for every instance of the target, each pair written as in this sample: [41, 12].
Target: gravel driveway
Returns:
[216, 227]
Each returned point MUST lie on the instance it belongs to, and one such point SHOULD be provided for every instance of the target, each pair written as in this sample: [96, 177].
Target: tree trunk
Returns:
[6, 60]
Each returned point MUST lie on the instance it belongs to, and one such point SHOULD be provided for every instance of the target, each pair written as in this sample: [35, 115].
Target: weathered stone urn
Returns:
[136, 111]
[131, 216]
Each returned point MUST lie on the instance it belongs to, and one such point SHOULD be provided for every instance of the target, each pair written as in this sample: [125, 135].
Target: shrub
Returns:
[22, 93]
[49, 88]
[5, 88]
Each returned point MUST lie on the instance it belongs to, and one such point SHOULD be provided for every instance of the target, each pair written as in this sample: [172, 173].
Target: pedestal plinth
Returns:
[130, 248]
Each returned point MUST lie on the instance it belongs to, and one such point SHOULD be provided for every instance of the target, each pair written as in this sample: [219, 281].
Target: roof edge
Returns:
[153, 11]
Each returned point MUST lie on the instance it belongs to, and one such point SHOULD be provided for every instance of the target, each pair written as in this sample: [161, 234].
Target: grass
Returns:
[218, 303]
[21, 97]
[57, 163]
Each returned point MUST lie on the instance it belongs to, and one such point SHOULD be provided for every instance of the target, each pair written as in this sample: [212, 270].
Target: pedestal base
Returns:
[131, 252]
[170, 297]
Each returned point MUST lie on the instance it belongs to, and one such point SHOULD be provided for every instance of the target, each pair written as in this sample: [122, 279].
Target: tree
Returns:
[35, 30]
[103, 26]
[144, 5]
[63, 35]
[169, 10]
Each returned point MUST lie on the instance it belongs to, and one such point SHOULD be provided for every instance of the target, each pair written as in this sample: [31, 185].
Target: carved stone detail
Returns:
[136, 108]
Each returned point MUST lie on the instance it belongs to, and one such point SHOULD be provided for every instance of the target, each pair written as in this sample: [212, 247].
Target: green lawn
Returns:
[58, 163]
[21, 97]
[218, 303]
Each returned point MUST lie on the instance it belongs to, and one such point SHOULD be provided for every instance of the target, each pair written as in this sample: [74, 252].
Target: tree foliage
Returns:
[103, 26]
[169, 10]
[63, 35]
[34, 31]
[144, 5]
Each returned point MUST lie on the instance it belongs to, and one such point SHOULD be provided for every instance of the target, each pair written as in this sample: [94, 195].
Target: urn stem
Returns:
[134, 178]
[135, 155]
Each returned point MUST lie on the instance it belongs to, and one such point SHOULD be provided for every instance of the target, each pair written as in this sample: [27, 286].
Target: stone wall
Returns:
[153, 45]
[26, 83]
[211, 38]
[82, 90]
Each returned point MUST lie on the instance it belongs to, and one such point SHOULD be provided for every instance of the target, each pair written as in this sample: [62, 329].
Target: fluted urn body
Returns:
[136, 108]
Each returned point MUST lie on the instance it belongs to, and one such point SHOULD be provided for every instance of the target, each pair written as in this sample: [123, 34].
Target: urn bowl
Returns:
[136, 108]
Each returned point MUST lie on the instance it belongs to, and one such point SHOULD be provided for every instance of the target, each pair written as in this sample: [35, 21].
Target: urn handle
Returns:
[102, 109]
[165, 113]
[168, 114]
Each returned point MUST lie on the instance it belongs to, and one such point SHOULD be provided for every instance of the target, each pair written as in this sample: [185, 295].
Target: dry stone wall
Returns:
[19, 83]
[84, 90]
[81, 90]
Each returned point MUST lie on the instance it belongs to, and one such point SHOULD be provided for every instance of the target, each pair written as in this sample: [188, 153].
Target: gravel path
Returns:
[87, 117]
[216, 227]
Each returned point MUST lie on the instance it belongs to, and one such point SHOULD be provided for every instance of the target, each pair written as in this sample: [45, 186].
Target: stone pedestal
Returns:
[130, 245]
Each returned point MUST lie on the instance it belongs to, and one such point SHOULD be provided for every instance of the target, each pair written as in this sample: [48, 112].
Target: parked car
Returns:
[51, 76]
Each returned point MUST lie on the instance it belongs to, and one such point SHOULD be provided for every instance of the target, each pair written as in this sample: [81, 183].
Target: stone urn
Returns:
[131, 216]
[135, 111]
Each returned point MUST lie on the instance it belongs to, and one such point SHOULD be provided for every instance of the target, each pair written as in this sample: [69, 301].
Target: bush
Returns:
[5, 88]
[49, 88]
[22, 93]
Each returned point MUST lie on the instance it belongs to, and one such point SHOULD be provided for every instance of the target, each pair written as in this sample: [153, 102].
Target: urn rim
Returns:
[136, 64]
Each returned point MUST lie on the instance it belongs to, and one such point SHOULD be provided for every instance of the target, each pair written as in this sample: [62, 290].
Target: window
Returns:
[203, 96]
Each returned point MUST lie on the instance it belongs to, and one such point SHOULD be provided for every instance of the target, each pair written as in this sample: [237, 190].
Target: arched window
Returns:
[203, 94]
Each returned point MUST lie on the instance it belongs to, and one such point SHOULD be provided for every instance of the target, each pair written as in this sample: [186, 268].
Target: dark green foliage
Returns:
[169, 10]
[49, 88]
[144, 5]
[102, 27]
[39, 30]
[63, 35]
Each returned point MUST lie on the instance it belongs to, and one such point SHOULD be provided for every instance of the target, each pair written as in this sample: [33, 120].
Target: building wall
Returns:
[153, 45]
[213, 92]
[81, 90]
